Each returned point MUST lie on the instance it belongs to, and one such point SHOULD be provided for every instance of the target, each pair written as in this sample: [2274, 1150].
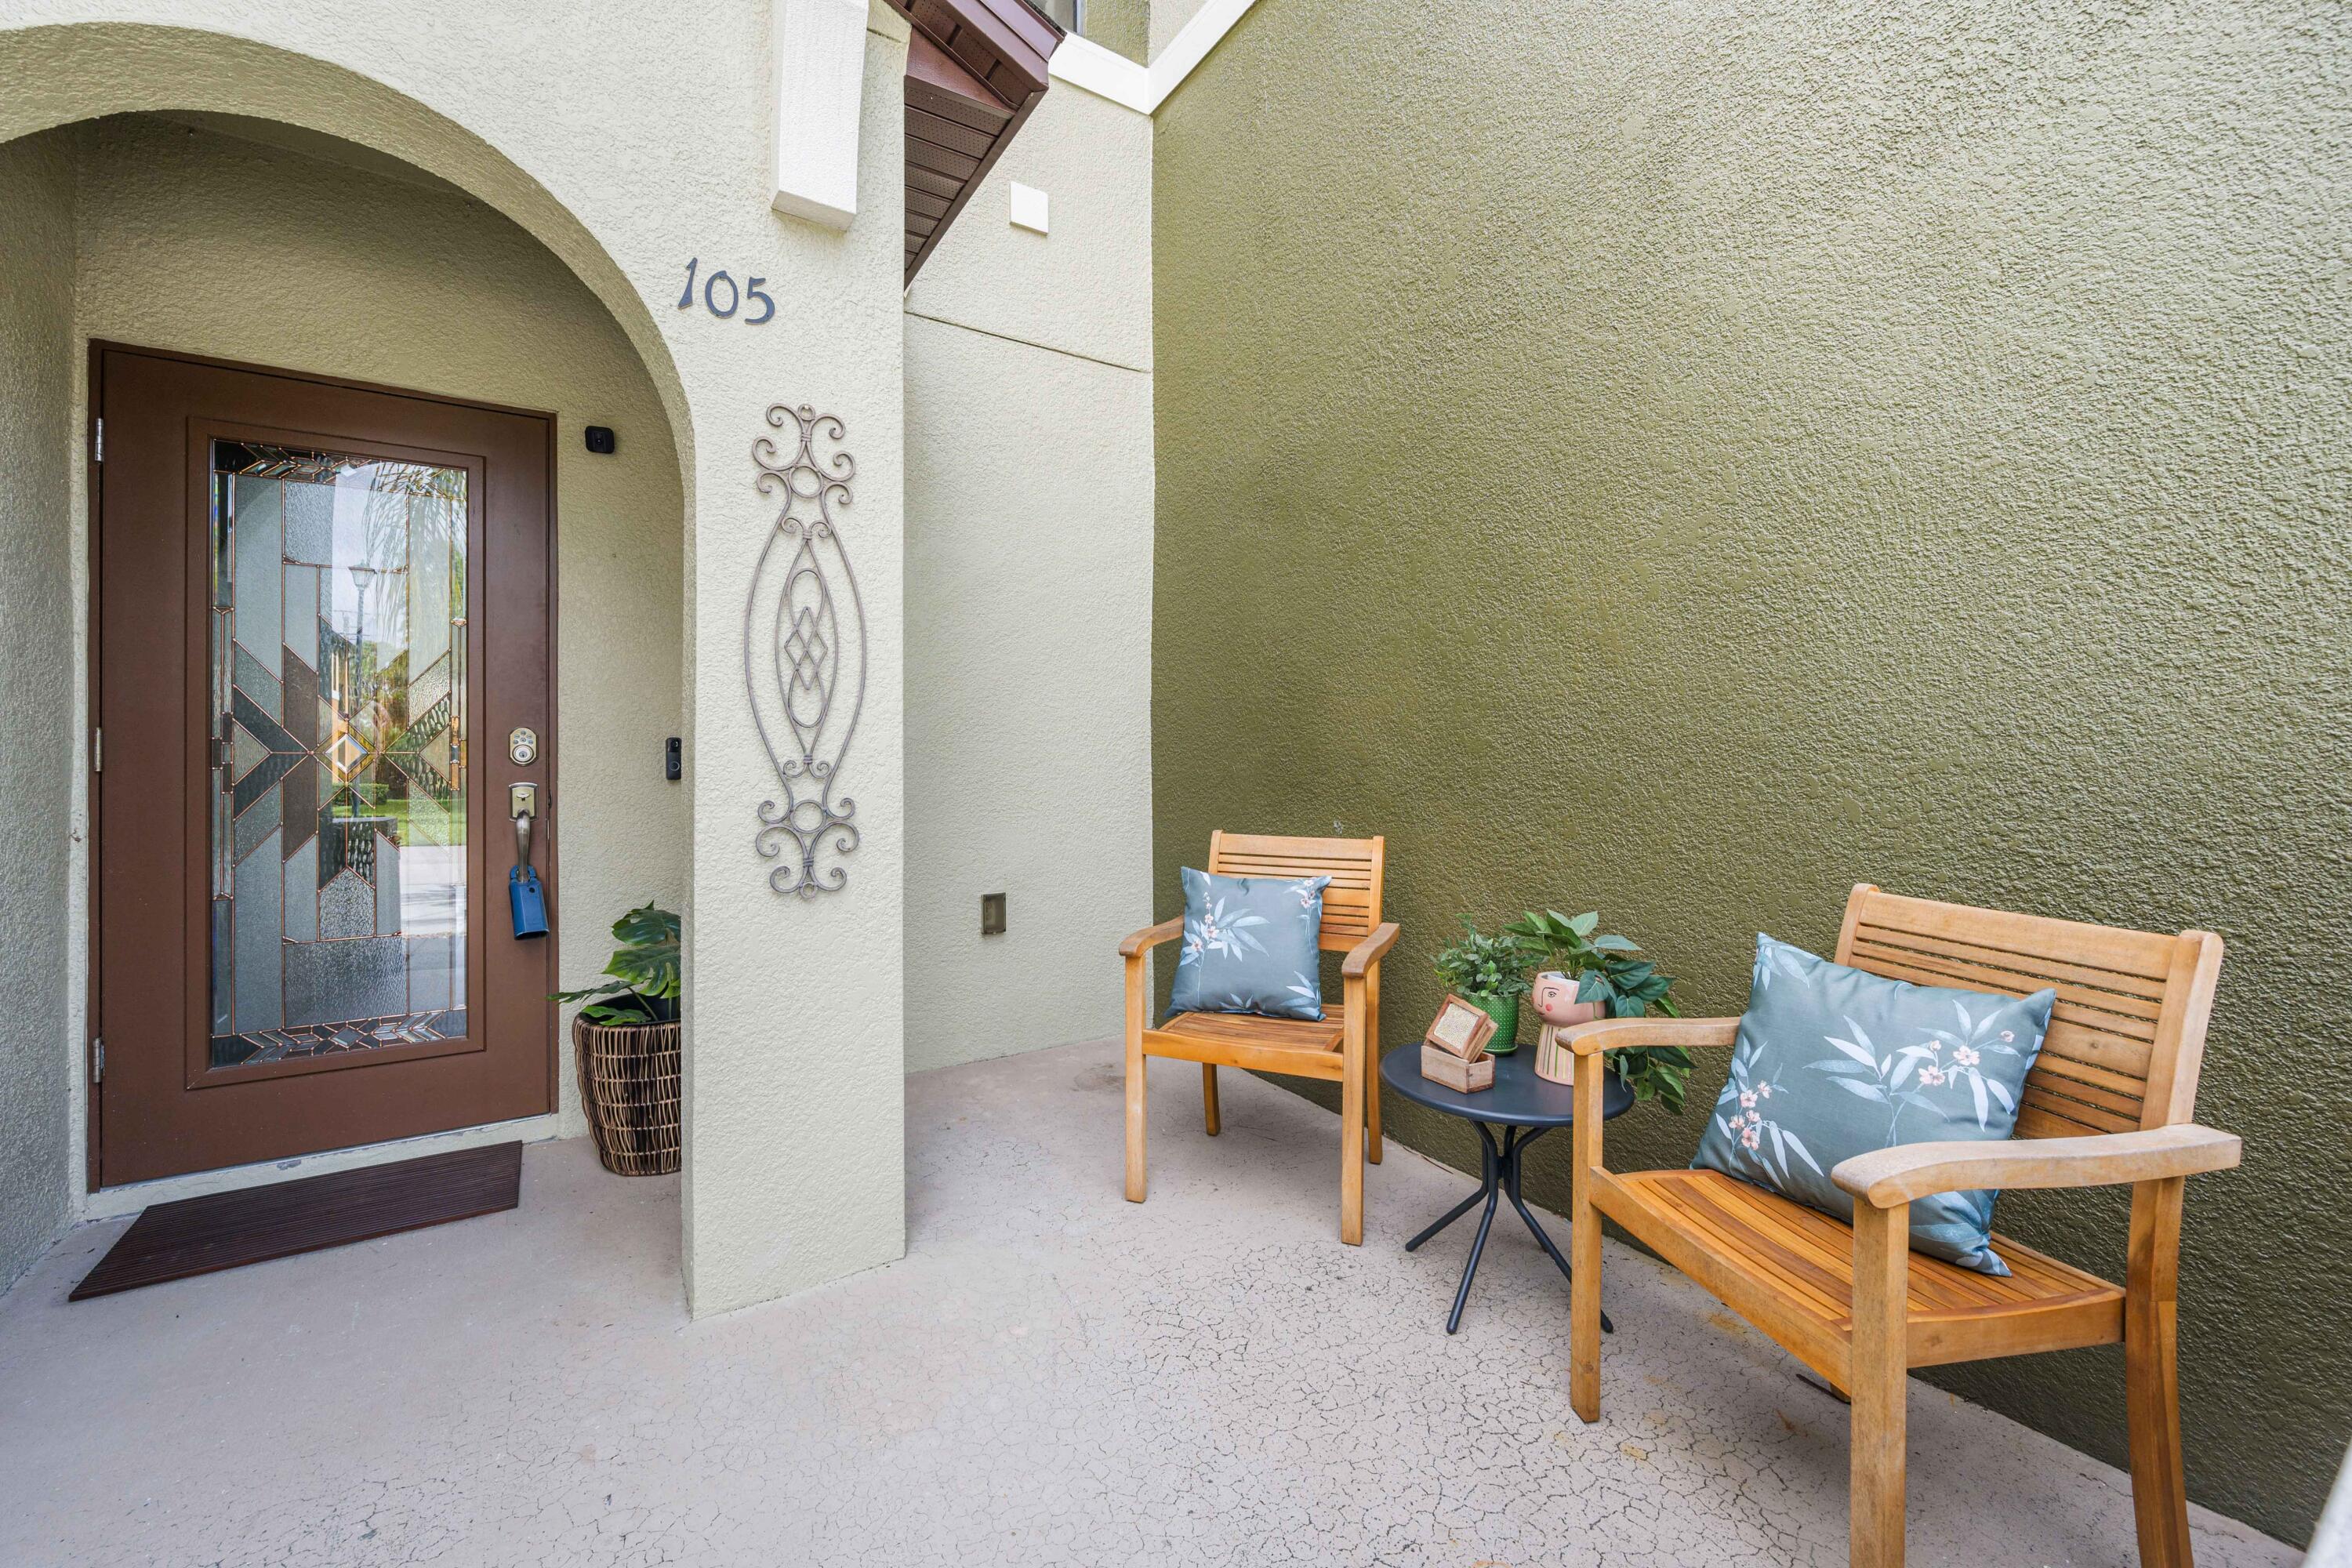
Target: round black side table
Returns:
[1524, 1108]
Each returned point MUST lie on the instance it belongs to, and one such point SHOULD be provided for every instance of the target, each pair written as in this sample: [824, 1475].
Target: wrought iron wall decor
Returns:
[804, 655]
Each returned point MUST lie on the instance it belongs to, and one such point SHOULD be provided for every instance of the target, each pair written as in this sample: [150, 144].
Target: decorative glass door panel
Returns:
[338, 668]
[308, 597]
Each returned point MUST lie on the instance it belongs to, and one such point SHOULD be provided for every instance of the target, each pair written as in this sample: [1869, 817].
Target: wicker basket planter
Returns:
[628, 1086]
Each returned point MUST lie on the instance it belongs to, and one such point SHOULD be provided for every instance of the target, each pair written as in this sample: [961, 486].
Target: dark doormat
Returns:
[228, 1230]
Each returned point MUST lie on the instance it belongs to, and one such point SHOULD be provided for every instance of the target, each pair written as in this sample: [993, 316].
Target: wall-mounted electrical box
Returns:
[992, 914]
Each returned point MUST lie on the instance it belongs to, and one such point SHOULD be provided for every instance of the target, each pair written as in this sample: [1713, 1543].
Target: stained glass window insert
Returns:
[338, 674]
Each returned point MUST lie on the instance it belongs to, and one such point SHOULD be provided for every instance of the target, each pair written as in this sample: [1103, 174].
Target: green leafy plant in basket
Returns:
[1612, 971]
[644, 986]
[1490, 973]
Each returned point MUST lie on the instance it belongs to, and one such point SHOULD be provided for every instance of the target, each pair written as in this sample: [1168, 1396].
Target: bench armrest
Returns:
[1616, 1034]
[1168, 930]
[1367, 953]
[1885, 1177]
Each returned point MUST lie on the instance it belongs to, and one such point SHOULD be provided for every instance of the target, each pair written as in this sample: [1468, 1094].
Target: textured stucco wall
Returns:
[1686, 459]
[186, 242]
[625, 154]
[1167, 19]
[36, 455]
[1029, 593]
[1122, 26]
[795, 1072]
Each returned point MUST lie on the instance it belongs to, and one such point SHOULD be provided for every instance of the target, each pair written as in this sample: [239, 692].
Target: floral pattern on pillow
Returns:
[1832, 1062]
[1249, 946]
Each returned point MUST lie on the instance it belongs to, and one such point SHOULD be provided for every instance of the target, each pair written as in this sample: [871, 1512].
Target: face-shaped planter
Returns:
[1555, 1001]
[1556, 1004]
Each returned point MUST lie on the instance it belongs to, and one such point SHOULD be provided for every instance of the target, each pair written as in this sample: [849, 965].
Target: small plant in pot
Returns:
[626, 1039]
[1490, 973]
[1612, 978]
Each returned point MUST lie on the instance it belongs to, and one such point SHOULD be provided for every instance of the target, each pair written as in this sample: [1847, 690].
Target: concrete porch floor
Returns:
[1052, 1376]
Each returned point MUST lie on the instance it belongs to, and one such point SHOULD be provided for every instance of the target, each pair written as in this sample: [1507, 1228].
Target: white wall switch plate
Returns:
[1028, 208]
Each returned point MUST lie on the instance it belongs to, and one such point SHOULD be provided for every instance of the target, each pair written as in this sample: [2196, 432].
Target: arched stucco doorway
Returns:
[211, 195]
[628, 151]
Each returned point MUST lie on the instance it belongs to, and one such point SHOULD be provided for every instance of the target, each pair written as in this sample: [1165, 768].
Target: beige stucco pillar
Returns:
[630, 148]
[794, 1162]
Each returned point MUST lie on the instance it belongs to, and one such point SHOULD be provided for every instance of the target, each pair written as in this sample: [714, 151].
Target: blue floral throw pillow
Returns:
[1832, 1062]
[1249, 946]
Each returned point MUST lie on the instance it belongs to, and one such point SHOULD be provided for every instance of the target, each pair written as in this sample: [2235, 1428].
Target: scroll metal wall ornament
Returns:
[804, 655]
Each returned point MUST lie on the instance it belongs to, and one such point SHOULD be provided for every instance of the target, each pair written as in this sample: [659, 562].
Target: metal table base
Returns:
[1498, 1177]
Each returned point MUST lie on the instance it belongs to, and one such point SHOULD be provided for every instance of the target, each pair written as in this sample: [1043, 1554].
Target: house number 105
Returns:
[722, 299]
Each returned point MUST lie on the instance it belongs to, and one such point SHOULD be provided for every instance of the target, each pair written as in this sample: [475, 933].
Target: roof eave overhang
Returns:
[976, 69]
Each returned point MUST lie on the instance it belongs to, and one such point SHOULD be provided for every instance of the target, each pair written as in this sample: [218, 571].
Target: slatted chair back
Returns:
[2127, 1035]
[1351, 904]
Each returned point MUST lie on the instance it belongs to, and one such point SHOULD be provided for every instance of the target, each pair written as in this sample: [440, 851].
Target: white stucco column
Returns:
[794, 1169]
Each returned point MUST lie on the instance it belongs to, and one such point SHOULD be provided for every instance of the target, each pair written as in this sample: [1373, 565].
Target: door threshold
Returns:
[116, 1203]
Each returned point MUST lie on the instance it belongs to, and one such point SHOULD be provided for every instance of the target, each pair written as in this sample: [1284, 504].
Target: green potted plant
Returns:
[626, 1039]
[1490, 973]
[1610, 972]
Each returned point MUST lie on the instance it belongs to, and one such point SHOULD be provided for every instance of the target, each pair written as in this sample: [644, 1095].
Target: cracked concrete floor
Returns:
[1052, 1376]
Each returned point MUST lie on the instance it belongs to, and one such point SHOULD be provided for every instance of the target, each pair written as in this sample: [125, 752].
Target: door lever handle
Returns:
[522, 804]
[523, 890]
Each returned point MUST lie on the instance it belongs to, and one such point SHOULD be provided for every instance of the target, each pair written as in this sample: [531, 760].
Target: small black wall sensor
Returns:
[600, 439]
[992, 914]
[674, 759]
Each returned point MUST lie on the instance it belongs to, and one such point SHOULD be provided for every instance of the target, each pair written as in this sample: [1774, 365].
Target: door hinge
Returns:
[97, 1060]
[98, 445]
[98, 751]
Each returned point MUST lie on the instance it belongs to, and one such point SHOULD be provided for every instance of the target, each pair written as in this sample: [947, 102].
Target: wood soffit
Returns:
[974, 70]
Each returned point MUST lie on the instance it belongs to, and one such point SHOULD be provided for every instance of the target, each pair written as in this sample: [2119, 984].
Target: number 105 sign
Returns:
[722, 299]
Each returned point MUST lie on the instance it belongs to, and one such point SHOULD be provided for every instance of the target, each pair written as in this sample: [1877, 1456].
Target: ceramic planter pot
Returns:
[1556, 1004]
[1504, 1011]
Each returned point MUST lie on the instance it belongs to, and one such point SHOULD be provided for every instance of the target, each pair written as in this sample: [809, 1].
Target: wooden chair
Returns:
[1341, 1047]
[2109, 1103]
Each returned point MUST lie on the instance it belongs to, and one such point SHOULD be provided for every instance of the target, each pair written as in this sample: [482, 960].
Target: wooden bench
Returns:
[1339, 1047]
[2109, 1101]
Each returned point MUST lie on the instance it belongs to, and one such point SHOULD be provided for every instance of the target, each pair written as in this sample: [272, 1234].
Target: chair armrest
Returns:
[1168, 930]
[1367, 953]
[1616, 1034]
[1885, 1177]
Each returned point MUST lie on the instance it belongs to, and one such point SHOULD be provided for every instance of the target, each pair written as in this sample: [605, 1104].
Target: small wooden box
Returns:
[1460, 1030]
[1464, 1078]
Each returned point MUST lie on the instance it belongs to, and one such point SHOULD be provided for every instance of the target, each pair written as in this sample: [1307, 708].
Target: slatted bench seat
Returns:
[2110, 1100]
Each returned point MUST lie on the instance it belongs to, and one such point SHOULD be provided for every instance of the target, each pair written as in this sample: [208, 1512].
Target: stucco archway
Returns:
[626, 150]
[57, 74]
[61, 77]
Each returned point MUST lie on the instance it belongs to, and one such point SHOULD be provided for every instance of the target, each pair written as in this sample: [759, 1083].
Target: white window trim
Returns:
[1090, 68]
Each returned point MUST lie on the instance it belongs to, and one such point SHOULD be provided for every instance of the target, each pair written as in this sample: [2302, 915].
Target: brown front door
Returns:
[320, 611]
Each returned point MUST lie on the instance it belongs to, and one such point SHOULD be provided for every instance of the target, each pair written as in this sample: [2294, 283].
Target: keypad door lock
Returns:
[522, 746]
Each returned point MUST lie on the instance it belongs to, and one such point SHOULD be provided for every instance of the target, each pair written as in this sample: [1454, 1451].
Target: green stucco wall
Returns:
[1688, 458]
[1123, 26]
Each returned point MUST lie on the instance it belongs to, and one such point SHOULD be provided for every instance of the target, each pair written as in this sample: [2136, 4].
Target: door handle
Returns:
[525, 896]
[522, 804]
